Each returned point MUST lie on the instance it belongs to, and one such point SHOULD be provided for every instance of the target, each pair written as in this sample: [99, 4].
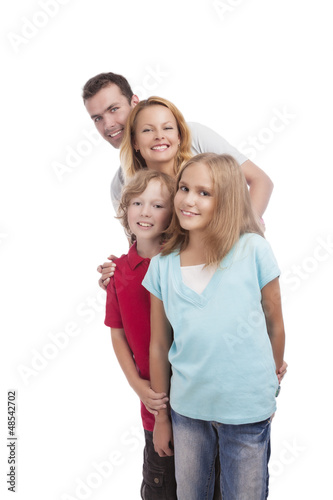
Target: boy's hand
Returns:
[107, 271]
[163, 437]
[282, 371]
[152, 400]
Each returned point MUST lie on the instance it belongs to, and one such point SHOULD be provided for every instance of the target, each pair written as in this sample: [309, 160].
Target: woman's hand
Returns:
[107, 271]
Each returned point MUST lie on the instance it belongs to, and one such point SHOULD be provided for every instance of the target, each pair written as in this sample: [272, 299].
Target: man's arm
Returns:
[206, 140]
[260, 185]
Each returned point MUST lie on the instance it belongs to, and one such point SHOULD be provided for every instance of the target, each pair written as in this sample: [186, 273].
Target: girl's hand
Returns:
[282, 371]
[152, 400]
[107, 271]
[163, 437]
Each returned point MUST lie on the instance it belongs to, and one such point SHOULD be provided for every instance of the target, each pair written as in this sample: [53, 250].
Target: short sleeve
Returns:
[112, 312]
[267, 266]
[152, 279]
[116, 188]
[206, 140]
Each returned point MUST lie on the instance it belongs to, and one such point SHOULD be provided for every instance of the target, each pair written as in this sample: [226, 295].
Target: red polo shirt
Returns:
[128, 307]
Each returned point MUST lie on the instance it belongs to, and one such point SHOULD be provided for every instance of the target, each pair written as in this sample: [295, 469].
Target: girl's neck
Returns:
[147, 249]
[194, 253]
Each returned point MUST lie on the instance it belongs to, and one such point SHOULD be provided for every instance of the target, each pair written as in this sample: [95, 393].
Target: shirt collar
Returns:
[134, 259]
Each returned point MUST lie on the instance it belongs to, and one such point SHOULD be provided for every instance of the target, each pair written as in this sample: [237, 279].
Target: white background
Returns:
[230, 65]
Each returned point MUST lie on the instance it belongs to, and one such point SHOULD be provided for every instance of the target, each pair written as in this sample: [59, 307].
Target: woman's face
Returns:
[156, 136]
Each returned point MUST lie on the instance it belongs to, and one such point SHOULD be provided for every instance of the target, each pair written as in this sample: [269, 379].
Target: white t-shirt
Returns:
[197, 277]
[204, 140]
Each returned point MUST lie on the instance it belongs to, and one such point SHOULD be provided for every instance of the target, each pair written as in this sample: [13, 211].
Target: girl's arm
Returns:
[150, 399]
[271, 303]
[160, 342]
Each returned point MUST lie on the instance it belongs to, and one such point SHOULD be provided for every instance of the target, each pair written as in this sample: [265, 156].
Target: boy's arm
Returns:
[160, 342]
[260, 185]
[150, 399]
[271, 303]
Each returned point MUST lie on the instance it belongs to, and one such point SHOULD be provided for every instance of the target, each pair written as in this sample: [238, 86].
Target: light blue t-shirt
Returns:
[223, 368]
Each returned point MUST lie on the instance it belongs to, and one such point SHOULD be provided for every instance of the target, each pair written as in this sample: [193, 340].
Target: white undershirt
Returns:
[197, 277]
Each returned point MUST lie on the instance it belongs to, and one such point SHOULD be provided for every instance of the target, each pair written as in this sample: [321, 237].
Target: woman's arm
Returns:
[160, 342]
[271, 303]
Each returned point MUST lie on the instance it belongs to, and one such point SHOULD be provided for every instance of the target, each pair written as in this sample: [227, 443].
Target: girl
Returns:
[145, 212]
[216, 286]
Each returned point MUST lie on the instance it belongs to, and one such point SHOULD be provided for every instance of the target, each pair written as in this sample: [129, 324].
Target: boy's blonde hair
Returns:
[137, 186]
[132, 161]
[233, 216]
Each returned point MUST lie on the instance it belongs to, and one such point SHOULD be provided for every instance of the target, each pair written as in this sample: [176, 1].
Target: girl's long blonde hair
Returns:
[132, 161]
[233, 216]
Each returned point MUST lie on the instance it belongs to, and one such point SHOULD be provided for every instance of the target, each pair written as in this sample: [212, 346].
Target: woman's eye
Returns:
[204, 193]
[183, 188]
[136, 203]
[147, 130]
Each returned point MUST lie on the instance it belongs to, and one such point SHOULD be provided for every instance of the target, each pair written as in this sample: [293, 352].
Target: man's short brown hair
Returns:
[98, 82]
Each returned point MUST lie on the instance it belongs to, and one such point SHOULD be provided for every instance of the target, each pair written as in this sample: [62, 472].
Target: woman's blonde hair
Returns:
[131, 160]
[233, 216]
[136, 186]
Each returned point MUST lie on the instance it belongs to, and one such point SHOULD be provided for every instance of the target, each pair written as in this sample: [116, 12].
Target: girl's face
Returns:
[149, 213]
[156, 136]
[195, 199]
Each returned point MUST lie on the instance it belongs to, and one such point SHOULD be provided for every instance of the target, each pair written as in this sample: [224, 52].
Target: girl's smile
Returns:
[194, 200]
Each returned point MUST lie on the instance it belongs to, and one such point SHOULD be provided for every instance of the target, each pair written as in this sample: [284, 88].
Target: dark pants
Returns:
[159, 481]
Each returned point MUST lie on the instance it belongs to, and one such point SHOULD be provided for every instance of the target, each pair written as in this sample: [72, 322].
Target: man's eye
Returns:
[183, 188]
[158, 206]
[113, 110]
[97, 119]
[204, 193]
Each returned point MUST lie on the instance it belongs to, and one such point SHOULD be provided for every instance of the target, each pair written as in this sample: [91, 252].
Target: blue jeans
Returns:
[244, 452]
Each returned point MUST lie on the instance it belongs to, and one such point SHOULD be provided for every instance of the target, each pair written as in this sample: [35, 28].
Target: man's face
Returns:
[110, 109]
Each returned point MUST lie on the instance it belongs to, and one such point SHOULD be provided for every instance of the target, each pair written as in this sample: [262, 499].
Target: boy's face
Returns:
[110, 109]
[149, 213]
